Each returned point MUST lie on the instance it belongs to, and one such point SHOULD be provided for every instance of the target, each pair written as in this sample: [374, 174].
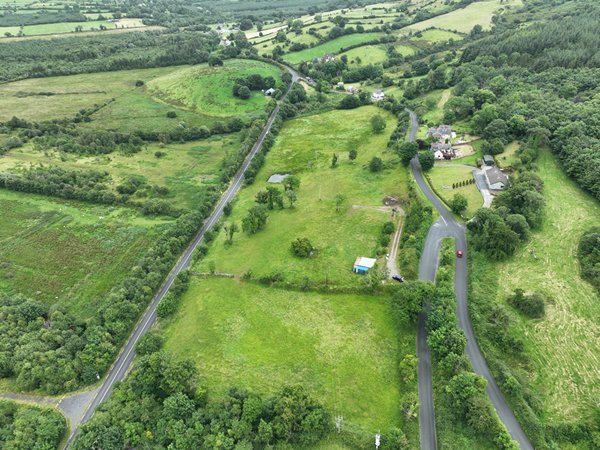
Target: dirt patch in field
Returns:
[463, 150]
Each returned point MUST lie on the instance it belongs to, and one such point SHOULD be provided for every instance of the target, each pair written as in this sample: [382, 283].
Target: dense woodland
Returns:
[70, 55]
[27, 427]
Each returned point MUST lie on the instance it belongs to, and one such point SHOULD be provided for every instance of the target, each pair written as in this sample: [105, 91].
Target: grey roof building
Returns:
[496, 179]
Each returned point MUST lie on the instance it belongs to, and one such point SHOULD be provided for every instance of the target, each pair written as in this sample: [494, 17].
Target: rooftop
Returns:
[365, 262]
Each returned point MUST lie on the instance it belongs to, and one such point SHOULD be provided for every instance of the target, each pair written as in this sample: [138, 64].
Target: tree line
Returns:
[89, 186]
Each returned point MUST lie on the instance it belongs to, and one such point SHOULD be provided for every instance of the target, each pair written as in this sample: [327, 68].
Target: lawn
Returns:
[208, 90]
[183, 169]
[463, 20]
[368, 54]
[442, 178]
[344, 348]
[338, 236]
[508, 157]
[67, 252]
[563, 346]
[333, 46]
[69, 27]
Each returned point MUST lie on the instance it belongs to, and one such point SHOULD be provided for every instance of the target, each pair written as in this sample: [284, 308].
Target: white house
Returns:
[269, 92]
[378, 95]
[442, 151]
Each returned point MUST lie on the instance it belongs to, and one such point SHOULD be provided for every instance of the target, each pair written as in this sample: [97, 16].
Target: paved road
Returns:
[427, 269]
[447, 225]
[121, 366]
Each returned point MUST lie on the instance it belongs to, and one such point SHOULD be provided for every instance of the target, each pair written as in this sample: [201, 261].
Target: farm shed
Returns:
[362, 265]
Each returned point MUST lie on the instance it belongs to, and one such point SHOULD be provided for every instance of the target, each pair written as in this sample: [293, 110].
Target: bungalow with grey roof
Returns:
[496, 179]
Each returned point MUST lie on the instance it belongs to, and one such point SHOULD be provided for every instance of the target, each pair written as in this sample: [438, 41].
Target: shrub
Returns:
[376, 164]
[302, 248]
[171, 114]
[532, 305]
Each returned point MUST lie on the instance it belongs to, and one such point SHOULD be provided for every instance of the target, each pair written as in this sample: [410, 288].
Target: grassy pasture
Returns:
[29, 98]
[183, 169]
[69, 27]
[463, 20]
[339, 236]
[563, 346]
[208, 90]
[443, 176]
[208, 98]
[332, 46]
[404, 50]
[67, 252]
[368, 54]
[435, 36]
[343, 347]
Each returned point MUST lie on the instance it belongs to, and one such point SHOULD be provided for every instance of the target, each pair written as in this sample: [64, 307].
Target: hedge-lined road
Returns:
[119, 369]
[446, 226]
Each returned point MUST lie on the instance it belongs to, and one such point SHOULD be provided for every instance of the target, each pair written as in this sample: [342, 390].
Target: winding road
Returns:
[448, 226]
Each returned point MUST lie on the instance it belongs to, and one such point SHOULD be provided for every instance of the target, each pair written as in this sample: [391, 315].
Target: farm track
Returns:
[448, 226]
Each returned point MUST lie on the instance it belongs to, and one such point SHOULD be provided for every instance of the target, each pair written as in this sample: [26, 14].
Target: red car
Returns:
[459, 253]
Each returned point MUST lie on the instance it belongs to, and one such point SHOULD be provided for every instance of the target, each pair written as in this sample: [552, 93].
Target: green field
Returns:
[69, 27]
[183, 169]
[67, 252]
[442, 178]
[137, 108]
[368, 54]
[208, 90]
[338, 236]
[60, 97]
[563, 346]
[435, 36]
[404, 50]
[508, 157]
[333, 46]
[463, 20]
[345, 348]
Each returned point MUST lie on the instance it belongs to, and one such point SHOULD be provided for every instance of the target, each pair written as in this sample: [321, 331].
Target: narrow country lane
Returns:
[123, 363]
[447, 225]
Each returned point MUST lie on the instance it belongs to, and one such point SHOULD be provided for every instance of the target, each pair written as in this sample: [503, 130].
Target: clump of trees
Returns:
[588, 253]
[180, 413]
[531, 304]
[459, 203]
[255, 220]
[302, 248]
[498, 232]
[243, 87]
[26, 427]
[89, 186]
